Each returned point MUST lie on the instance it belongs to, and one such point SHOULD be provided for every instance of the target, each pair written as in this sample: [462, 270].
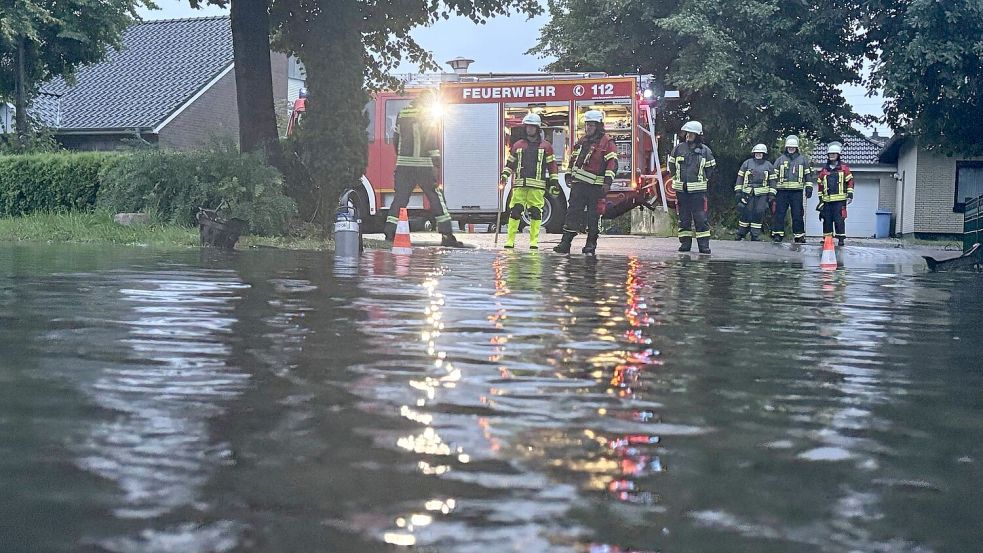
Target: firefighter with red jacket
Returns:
[417, 162]
[590, 171]
[532, 167]
[835, 184]
[692, 164]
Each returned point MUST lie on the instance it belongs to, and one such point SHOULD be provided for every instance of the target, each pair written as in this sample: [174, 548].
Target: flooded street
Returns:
[480, 401]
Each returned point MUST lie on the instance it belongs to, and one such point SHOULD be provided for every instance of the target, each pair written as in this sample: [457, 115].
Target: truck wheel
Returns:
[556, 208]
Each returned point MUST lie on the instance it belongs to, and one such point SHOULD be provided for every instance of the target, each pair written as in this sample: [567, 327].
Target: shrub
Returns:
[50, 182]
[175, 184]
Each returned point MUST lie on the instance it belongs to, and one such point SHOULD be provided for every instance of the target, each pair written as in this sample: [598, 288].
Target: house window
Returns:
[969, 183]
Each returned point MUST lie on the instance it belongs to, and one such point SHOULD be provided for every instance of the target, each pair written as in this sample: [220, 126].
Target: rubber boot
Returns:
[755, 235]
[842, 241]
[450, 241]
[741, 233]
[704, 245]
[800, 240]
[564, 245]
[513, 229]
[534, 226]
[685, 244]
[777, 238]
[390, 232]
[591, 246]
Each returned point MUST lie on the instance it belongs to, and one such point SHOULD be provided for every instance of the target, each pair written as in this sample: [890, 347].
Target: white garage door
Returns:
[861, 218]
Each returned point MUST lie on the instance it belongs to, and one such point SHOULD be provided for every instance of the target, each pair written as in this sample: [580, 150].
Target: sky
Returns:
[498, 46]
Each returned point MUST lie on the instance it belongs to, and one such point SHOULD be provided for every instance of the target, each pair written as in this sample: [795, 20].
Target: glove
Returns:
[608, 181]
[849, 198]
[809, 192]
[739, 198]
[554, 189]
[773, 205]
[771, 199]
[820, 206]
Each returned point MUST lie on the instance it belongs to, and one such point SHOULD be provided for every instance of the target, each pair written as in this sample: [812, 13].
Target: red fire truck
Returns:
[481, 115]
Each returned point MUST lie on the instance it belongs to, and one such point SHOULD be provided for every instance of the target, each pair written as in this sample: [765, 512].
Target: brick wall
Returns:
[936, 177]
[213, 114]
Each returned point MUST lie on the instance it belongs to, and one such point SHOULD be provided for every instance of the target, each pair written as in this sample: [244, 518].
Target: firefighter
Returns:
[835, 182]
[532, 166]
[754, 192]
[417, 163]
[794, 173]
[691, 164]
[591, 171]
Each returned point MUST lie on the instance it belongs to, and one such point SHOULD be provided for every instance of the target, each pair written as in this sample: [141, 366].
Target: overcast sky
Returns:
[500, 45]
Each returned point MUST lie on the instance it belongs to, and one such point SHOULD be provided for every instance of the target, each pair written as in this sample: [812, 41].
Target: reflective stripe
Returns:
[742, 224]
[610, 155]
[755, 225]
[410, 161]
[704, 234]
[392, 219]
[778, 233]
[684, 233]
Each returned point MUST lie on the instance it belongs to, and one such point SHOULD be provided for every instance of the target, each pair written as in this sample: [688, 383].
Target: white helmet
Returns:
[792, 141]
[834, 148]
[759, 149]
[693, 127]
[594, 116]
[532, 119]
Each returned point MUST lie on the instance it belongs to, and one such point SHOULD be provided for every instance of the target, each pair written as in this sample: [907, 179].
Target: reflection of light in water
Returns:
[161, 390]
[428, 442]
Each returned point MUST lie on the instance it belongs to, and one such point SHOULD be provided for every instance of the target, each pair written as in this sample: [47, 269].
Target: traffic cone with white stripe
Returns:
[401, 242]
[828, 260]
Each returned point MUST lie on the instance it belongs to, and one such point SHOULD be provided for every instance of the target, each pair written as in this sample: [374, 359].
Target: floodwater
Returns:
[475, 401]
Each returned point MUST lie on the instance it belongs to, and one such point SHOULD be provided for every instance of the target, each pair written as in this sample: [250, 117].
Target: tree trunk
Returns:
[20, 102]
[254, 77]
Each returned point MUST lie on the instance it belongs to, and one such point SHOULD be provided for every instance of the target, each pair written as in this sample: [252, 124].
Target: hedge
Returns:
[171, 185]
[55, 182]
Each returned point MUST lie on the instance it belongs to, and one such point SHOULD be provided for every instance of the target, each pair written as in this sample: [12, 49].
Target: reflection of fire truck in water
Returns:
[479, 118]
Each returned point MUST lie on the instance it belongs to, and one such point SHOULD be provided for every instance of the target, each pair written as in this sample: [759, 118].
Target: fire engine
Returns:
[480, 116]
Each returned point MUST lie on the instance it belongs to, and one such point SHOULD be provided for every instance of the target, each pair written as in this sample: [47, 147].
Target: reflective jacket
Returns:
[415, 139]
[793, 172]
[835, 182]
[691, 167]
[593, 159]
[756, 177]
[533, 164]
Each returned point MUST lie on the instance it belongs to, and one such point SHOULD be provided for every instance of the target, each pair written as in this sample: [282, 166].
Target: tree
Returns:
[251, 28]
[42, 39]
[929, 68]
[350, 48]
[750, 71]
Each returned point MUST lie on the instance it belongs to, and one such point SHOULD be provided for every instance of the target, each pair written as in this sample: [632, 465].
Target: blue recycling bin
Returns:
[883, 224]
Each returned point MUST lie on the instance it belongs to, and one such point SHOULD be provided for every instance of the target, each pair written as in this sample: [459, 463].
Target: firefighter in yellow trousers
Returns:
[532, 167]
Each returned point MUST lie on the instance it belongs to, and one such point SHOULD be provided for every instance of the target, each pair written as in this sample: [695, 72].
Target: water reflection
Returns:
[473, 401]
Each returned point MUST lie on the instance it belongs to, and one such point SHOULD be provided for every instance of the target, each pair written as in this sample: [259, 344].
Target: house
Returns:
[932, 188]
[171, 84]
[873, 188]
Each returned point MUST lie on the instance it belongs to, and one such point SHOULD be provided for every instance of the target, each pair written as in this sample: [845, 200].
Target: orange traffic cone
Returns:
[401, 242]
[828, 261]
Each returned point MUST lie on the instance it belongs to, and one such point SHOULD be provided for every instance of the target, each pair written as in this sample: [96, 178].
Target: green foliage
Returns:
[175, 184]
[58, 37]
[52, 182]
[37, 141]
[929, 69]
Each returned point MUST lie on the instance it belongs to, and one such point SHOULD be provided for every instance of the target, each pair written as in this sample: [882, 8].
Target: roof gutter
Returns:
[105, 131]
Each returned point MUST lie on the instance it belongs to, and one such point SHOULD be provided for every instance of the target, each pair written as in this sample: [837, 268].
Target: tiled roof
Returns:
[160, 66]
[857, 151]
